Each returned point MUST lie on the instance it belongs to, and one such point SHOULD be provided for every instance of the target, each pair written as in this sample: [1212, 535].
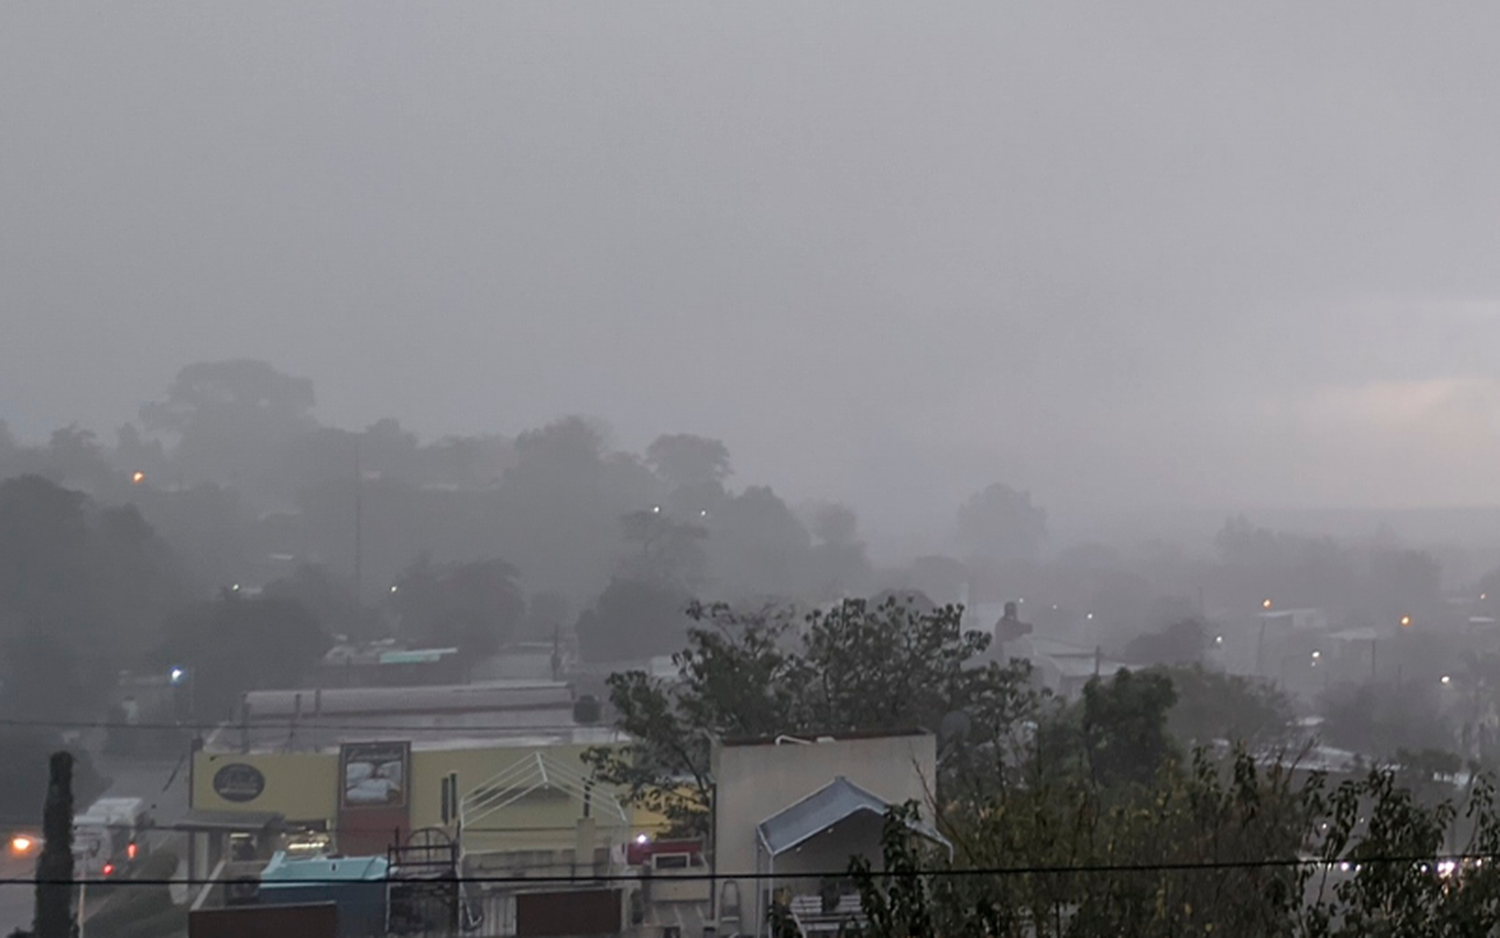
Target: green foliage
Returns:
[471, 606]
[24, 772]
[762, 673]
[632, 620]
[1182, 643]
[324, 594]
[1213, 705]
[1239, 847]
[1123, 723]
[1084, 866]
[1381, 718]
[80, 589]
[232, 645]
[687, 461]
[663, 550]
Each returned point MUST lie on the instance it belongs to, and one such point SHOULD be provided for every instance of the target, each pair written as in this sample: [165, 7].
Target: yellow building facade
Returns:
[508, 798]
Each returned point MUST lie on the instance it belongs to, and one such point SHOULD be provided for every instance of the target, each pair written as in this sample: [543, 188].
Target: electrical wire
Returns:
[995, 871]
[299, 724]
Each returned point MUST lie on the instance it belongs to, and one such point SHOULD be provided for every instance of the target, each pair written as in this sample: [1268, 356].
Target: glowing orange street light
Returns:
[137, 477]
[1406, 622]
[1265, 604]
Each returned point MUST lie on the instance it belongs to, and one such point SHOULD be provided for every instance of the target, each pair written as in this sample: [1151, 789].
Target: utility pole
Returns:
[54, 869]
[359, 518]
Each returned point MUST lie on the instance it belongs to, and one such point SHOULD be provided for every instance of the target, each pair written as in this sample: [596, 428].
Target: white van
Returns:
[107, 837]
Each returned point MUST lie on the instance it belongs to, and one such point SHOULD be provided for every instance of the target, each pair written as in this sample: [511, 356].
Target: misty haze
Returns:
[667, 470]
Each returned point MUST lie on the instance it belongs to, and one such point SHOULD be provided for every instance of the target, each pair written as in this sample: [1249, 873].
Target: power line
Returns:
[168, 829]
[301, 724]
[1083, 869]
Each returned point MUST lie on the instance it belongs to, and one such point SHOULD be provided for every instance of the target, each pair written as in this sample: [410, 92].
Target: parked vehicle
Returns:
[107, 838]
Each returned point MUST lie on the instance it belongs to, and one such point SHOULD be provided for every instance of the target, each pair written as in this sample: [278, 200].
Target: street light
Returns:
[137, 477]
[1265, 604]
[181, 676]
[1406, 622]
[1447, 679]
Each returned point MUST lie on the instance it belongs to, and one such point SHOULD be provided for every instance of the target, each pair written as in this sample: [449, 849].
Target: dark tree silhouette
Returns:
[54, 868]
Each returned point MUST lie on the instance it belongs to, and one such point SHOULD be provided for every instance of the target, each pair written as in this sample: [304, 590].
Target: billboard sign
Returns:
[239, 782]
[374, 775]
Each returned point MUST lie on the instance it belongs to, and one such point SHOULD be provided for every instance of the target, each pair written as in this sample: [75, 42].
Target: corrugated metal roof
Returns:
[490, 695]
[834, 802]
[321, 870]
[416, 656]
[820, 810]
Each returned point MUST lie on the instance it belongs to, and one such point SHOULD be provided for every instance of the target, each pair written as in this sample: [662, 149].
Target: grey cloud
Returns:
[899, 251]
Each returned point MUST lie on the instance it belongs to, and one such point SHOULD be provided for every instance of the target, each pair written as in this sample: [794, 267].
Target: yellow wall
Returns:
[302, 786]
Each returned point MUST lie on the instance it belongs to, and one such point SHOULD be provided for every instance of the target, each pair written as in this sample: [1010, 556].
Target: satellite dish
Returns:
[955, 727]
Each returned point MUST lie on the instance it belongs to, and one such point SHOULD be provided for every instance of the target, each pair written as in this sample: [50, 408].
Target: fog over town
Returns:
[655, 428]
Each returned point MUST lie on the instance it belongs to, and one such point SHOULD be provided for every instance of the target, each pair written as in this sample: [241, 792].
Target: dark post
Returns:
[54, 869]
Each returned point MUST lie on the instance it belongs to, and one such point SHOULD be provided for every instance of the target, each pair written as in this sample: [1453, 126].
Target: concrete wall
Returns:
[756, 781]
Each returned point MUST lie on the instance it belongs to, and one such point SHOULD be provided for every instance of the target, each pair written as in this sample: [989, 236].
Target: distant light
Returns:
[703, 513]
[1317, 654]
[235, 587]
[393, 589]
[137, 477]
[1089, 616]
[130, 851]
[21, 843]
[1054, 607]
[109, 869]
[656, 509]
[642, 839]
[1218, 639]
[1022, 600]
[1447, 679]
[1265, 604]
[1406, 622]
[177, 675]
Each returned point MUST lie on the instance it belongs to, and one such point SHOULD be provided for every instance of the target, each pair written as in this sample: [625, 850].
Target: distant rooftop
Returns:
[282, 871]
[493, 713]
[440, 698]
[793, 739]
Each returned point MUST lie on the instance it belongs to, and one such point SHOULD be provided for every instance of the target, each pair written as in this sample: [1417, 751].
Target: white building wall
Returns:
[756, 781]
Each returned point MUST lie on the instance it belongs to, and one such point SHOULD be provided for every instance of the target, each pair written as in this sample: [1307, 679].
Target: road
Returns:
[152, 781]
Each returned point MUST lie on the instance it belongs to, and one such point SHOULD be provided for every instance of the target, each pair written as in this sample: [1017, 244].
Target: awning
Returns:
[230, 822]
[834, 802]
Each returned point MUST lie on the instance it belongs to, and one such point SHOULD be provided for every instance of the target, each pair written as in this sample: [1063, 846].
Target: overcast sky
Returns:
[1178, 255]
